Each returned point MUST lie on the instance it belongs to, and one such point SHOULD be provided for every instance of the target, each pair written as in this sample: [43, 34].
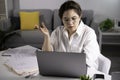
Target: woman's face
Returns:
[71, 20]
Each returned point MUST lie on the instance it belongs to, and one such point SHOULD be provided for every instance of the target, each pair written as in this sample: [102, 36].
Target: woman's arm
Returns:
[47, 43]
[91, 49]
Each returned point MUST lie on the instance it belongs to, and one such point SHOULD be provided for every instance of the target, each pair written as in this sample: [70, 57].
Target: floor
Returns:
[113, 53]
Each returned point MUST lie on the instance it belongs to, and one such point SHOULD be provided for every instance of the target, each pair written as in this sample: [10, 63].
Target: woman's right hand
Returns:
[43, 29]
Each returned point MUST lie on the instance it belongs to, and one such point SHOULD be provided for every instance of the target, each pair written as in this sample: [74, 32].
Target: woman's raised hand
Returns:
[43, 29]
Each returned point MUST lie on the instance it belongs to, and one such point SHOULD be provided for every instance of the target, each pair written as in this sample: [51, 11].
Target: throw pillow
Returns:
[28, 20]
[15, 21]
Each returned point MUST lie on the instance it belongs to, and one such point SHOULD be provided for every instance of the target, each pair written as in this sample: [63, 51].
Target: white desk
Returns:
[6, 74]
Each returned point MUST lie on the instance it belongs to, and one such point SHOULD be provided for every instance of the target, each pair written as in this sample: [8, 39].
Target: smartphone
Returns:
[98, 77]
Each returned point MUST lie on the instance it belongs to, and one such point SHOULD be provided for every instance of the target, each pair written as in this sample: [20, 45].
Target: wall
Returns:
[6, 7]
[9, 7]
[102, 8]
[2, 7]
[40, 4]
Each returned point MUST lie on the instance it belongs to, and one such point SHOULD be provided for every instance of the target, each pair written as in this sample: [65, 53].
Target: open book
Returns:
[23, 60]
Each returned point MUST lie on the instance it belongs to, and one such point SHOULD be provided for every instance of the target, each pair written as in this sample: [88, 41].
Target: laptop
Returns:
[61, 64]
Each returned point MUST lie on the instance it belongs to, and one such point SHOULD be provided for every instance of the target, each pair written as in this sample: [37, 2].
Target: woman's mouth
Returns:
[70, 26]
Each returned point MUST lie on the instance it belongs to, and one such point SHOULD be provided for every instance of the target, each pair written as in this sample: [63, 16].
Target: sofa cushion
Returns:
[15, 21]
[24, 37]
[28, 20]
[42, 19]
[89, 16]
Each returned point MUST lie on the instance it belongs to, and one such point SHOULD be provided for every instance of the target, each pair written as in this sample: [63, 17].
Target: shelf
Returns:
[110, 33]
[106, 43]
[111, 38]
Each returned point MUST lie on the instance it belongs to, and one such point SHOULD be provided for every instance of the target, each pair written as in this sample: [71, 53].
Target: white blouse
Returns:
[84, 39]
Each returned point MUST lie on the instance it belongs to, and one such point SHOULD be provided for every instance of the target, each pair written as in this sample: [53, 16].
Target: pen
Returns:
[6, 55]
[28, 76]
[31, 75]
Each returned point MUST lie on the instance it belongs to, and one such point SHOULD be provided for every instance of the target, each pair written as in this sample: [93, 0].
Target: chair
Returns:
[104, 64]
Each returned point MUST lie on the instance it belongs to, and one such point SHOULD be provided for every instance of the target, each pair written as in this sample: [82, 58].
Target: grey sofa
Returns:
[34, 38]
[19, 37]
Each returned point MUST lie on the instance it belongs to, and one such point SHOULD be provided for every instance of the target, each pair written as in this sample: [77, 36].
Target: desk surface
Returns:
[6, 74]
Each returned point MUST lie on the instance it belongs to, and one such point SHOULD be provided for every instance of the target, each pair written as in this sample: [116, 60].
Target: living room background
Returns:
[102, 8]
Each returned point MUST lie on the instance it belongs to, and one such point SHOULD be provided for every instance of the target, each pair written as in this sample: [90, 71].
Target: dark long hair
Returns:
[70, 5]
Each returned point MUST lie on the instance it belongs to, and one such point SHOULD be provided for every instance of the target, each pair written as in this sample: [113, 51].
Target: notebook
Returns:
[61, 64]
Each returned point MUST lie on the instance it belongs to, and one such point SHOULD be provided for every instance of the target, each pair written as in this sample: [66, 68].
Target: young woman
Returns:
[73, 36]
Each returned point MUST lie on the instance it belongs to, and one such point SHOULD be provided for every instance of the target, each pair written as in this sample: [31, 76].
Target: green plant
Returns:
[106, 24]
[84, 77]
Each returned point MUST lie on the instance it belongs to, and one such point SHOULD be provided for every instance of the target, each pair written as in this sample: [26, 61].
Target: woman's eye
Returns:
[74, 18]
[66, 19]
[69, 19]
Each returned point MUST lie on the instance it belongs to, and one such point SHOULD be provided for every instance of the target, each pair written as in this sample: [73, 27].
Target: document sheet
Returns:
[22, 60]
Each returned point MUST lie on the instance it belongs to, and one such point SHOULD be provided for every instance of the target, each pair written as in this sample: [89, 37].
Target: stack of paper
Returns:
[23, 60]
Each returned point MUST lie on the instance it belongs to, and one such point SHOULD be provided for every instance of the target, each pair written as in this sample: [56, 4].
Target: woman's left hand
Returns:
[43, 29]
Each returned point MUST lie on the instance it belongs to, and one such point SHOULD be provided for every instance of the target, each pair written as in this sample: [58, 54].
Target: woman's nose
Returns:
[70, 21]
